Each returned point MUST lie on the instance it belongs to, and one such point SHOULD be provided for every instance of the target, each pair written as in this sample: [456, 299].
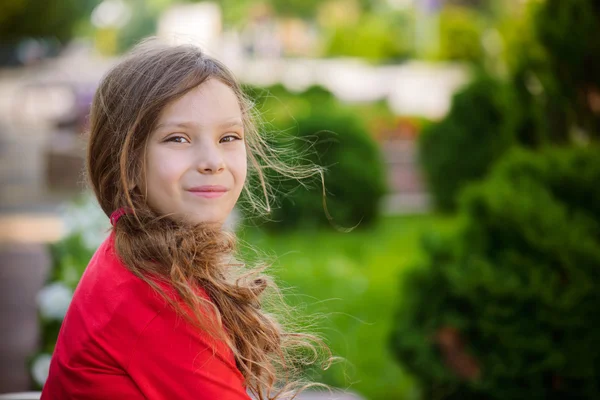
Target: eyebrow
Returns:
[188, 124]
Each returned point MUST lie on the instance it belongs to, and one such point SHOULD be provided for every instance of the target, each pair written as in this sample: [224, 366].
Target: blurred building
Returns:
[199, 24]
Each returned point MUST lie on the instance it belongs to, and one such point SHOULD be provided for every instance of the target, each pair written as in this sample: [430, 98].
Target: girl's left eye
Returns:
[231, 137]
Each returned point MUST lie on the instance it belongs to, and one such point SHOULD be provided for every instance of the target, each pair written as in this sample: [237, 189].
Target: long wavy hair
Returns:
[180, 260]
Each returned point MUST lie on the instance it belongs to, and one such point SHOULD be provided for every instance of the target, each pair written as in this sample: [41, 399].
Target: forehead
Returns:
[210, 103]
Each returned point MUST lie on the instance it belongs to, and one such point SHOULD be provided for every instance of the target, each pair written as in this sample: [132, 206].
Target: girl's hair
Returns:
[180, 259]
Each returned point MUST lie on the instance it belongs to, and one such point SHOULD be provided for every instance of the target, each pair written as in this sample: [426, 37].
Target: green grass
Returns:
[353, 279]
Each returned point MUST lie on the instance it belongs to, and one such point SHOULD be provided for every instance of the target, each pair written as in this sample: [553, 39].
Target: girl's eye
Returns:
[177, 139]
[231, 138]
[182, 139]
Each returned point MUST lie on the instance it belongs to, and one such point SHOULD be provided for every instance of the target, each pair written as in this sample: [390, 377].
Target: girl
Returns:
[163, 311]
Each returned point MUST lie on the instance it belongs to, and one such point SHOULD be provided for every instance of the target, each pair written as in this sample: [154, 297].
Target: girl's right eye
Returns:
[177, 139]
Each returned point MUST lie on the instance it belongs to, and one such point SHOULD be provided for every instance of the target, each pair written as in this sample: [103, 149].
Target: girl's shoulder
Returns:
[113, 297]
[109, 310]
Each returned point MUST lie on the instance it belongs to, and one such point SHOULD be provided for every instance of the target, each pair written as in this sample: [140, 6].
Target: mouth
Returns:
[208, 191]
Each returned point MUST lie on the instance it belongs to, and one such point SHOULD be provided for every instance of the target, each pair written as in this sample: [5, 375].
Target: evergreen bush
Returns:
[463, 146]
[506, 308]
[316, 128]
[569, 31]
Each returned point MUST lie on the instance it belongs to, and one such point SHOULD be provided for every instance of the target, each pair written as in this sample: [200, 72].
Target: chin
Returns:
[205, 219]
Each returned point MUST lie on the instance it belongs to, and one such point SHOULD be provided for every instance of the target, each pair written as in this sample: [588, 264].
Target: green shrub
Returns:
[505, 309]
[555, 69]
[374, 38]
[568, 31]
[320, 130]
[57, 19]
[463, 146]
[460, 32]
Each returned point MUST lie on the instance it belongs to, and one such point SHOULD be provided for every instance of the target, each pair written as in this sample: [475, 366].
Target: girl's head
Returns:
[171, 130]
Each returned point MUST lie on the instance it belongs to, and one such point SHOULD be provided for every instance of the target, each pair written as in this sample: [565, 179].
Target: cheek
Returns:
[164, 170]
[238, 165]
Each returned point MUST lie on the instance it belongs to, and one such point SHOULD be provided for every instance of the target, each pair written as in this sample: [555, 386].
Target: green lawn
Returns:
[353, 280]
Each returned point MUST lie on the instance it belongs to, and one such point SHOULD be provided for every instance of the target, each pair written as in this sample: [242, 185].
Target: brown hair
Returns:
[270, 352]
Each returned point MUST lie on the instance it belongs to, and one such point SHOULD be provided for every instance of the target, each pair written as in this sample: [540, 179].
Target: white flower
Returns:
[40, 368]
[85, 216]
[53, 301]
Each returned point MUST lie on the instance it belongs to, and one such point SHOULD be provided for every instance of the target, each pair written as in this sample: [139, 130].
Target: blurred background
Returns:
[460, 135]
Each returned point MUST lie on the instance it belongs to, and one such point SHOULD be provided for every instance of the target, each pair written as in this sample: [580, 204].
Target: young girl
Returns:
[163, 310]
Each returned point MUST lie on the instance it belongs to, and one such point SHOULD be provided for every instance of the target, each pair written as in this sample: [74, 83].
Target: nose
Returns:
[210, 160]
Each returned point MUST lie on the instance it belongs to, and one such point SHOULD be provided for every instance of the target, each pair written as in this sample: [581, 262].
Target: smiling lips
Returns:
[208, 191]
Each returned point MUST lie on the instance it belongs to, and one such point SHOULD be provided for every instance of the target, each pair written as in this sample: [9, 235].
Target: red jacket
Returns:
[121, 340]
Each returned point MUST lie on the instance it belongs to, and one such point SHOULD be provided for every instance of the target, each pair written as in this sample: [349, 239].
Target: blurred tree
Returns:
[569, 32]
[309, 8]
[464, 145]
[142, 23]
[554, 66]
[523, 54]
[50, 18]
[296, 8]
[374, 37]
[504, 308]
[552, 96]
[235, 12]
[313, 127]
[516, 288]
[460, 33]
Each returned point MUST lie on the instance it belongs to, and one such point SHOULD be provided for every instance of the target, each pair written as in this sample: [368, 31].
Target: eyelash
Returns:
[182, 137]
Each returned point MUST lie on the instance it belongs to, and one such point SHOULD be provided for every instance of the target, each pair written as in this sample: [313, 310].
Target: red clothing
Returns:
[121, 340]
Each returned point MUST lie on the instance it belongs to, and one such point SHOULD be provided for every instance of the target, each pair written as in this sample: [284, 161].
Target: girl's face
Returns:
[196, 156]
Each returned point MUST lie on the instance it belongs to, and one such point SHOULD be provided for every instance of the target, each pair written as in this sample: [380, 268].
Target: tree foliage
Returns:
[505, 307]
[50, 18]
[314, 127]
